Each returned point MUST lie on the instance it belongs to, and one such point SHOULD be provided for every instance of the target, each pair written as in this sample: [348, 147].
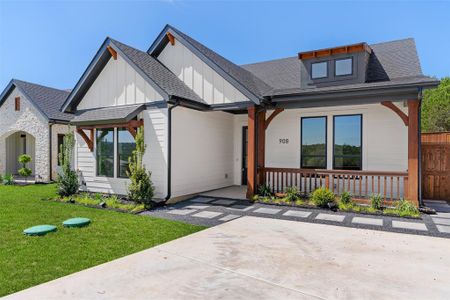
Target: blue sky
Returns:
[52, 42]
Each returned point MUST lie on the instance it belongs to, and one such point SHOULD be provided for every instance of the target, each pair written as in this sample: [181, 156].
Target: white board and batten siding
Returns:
[384, 138]
[118, 84]
[198, 76]
[202, 151]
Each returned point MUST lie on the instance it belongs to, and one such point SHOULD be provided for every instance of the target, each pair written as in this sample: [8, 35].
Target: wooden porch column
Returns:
[413, 151]
[261, 146]
[251, 152]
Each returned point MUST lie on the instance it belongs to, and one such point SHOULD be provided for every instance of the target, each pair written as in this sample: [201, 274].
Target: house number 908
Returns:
[284, 141]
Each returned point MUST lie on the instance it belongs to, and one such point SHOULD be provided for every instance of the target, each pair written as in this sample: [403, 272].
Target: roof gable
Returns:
[246, 82]
[47, 100]
[161, 79]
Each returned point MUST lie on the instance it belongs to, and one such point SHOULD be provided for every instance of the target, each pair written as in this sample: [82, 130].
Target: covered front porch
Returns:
[386, 164]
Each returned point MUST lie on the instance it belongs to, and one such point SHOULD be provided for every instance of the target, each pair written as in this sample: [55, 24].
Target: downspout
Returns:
[420, 149]
[169, 151]
[50, 126]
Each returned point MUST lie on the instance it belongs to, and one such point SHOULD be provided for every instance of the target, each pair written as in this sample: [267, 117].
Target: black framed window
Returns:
[347, 142]
[319, 70]
[343, 67]
[314, 142]
[125, 147]
[105, 152]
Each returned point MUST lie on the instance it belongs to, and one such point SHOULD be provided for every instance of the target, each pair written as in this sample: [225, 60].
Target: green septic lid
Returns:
[76, 222]
[39, 230]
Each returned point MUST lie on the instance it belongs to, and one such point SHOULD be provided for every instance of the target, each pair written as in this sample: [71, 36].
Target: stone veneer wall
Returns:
[31, 121]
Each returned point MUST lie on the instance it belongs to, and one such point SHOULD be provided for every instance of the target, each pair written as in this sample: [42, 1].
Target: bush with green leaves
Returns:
[141, 188]
[264, 190]
[406, 208]
[376, 201]
[292, 193]
[24, 159]
[346, 197]
[8, 179]
[68, 179]
[1, 179]
[322, 196]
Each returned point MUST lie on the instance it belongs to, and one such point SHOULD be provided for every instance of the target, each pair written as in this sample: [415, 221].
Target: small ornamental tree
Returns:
[68, 179]
[24, 159]
[141, 187]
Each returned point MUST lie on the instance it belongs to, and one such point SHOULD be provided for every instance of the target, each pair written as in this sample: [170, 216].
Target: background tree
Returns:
[24, 159]
[68, 179]
[436, 108]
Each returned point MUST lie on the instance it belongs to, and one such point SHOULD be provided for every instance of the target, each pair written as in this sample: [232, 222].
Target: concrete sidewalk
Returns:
[266, 258]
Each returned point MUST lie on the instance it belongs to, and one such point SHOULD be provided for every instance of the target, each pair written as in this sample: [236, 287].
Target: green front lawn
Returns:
[27, 261]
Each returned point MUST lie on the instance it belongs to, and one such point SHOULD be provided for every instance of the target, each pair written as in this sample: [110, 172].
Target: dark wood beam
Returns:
[276, 112]
[89, 141]
[397, 110]
[132, 123]
[132, 131]
[251, 152]
[261, 146]
[413, 151]
[171, 38]
[112, 52]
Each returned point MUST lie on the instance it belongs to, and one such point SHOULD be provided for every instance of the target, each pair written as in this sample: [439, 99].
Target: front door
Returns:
[244, 155]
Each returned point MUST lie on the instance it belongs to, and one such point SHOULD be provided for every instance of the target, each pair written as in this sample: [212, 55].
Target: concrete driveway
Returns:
[265, 259]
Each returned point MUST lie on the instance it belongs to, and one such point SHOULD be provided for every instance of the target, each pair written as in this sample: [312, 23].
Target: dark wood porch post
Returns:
[251, 152]
[261, 146]
[413, 151]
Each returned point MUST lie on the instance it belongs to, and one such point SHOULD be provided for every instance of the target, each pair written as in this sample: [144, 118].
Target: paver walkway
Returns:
[210, 211]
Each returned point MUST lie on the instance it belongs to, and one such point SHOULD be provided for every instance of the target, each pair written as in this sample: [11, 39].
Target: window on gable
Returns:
[125, 147]
[343, 67]
[314, 142]
[319, 70]
[105, 152]
[347, 148]
[17, 104]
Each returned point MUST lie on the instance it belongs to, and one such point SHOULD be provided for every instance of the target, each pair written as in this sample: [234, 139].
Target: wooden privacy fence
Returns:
[436, 166]
[361, 184]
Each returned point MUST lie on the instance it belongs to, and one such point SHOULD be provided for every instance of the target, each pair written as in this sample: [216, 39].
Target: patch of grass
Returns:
[26, 261]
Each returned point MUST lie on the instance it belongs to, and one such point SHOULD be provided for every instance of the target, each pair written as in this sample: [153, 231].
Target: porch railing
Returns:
[361, 184]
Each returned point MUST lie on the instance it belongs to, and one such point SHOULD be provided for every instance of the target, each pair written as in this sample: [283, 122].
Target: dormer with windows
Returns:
[334, 66]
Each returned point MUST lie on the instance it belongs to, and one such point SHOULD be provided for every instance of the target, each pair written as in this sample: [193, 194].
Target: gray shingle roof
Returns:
[251, 82]
[390, 63]
[47, 99]
[157, 72]
[107, 115]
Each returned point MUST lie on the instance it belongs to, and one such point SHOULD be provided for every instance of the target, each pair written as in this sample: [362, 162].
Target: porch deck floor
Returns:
[230, 192]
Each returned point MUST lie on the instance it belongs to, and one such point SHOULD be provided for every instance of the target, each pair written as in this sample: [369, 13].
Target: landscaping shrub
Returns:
[322, 196]
[406, 208]
[8, 179]
[24, 159]
[292, 193]
[346, 198]
[67, 181]
[264, 190]
[376, 201]
[1, 179]
[141, 187]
